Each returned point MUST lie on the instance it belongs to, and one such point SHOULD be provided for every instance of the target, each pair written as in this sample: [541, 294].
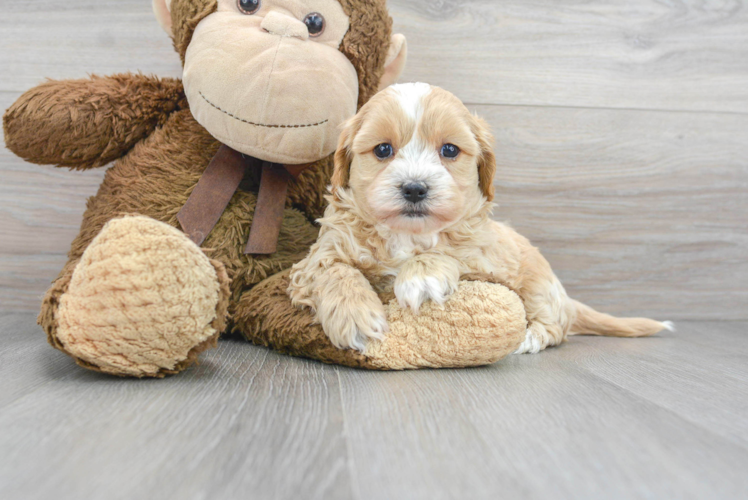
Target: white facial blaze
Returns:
[411, 96]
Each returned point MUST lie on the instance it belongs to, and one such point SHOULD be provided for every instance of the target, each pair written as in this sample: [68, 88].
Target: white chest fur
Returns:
[401, 247]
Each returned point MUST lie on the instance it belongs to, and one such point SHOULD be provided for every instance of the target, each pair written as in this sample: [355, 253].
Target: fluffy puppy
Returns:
[410, 208]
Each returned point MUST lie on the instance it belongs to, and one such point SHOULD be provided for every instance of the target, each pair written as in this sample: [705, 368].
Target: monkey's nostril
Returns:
[415, 192]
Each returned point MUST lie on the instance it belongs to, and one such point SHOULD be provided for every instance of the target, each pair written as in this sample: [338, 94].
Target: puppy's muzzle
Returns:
[415, 192]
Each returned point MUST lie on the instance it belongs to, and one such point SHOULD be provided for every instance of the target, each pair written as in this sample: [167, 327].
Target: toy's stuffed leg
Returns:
[143, 301]
[480, 324]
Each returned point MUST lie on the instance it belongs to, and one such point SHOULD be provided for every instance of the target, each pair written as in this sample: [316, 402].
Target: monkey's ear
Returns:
[394, 65]
[162, 9]
[486, 158]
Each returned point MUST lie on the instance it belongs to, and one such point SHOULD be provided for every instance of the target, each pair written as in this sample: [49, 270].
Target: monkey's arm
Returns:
[90, 122]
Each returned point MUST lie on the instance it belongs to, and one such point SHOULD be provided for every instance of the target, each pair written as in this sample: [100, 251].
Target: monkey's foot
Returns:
[478, 325]
[143, 301]
[481, 323]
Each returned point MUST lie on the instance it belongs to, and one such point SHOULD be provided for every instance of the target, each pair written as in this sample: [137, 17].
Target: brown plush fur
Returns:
[185, 15]
[144, 125]
[266, 316]
[88, 123]
[371, 29]
[155, 179]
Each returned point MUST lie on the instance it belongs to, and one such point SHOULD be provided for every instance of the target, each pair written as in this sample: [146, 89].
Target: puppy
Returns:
[410, 208]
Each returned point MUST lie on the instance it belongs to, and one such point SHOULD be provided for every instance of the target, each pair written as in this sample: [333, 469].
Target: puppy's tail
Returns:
[591, 322]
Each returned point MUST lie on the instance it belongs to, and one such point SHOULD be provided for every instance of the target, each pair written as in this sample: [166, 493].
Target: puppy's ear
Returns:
[487, 158]
[344, 153]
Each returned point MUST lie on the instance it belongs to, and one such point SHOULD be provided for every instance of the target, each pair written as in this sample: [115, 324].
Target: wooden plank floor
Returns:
[663, 417]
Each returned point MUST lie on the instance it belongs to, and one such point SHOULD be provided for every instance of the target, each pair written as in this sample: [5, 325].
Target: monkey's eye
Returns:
[383, 151]
[315, 23]
[249, 6]
[450, 151]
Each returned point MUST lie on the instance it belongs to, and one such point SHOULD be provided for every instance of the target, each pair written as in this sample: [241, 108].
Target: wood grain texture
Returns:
[644, 54]
[640, 211]
[71, 39]
[246, 420]
[685, 55]
[672, 371]
[595, 418]
[532, 427]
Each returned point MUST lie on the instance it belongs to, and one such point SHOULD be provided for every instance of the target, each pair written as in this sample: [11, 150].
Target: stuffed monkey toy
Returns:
[162, 265]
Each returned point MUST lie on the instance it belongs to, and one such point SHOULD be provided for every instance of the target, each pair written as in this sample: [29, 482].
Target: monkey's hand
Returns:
[90, 122]
[426, 277]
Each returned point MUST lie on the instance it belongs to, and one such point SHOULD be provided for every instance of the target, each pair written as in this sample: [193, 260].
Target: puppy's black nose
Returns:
[415, 192]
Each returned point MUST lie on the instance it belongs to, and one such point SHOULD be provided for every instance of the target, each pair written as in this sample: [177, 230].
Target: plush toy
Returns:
[177, 247]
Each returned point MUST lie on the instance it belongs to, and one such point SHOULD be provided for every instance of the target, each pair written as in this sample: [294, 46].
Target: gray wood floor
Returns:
[663, 417]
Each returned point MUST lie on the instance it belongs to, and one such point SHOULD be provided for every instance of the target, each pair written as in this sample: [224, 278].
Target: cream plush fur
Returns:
[175, 287]
[478, 326]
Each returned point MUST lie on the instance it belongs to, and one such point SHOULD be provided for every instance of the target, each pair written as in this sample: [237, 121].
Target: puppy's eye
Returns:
[249, 6]
[383, 151]
[450, 151]
[315, 23]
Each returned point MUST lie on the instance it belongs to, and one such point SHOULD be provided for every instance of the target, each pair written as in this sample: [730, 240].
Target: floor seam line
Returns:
[350, 463]
[608, 108]
[742, 445]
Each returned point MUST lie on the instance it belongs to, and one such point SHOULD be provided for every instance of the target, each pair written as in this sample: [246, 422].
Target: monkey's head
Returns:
[276, 78]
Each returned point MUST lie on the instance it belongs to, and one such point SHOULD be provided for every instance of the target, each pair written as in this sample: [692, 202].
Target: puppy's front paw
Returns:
[413, 291]
[353, 320]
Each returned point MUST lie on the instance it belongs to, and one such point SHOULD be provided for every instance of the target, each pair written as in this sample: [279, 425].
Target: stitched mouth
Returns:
[265, 125]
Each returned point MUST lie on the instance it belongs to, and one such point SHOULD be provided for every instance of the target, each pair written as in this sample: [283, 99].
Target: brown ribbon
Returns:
[217, 186]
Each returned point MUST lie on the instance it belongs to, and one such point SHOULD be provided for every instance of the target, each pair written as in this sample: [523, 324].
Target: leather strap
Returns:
[217, 186]
[271, 202]
[213, 193]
